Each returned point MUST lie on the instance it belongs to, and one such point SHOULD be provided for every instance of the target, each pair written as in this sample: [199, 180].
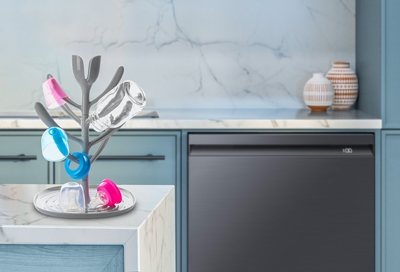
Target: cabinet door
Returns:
[61, 258]
[132, 158]
[378, 59]
[391, 110]
[21, 159]
[391, 200]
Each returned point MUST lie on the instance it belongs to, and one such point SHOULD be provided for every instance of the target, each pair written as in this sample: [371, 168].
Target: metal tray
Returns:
[46, 202]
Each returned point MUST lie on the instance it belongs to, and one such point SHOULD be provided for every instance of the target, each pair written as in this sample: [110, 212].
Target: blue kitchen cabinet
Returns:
[391, 64]
[133, 157]
[390, 200]
[378, 59]
[21, 160]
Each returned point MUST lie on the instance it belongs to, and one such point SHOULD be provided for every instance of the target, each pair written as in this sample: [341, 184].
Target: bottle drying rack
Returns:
[47, 200]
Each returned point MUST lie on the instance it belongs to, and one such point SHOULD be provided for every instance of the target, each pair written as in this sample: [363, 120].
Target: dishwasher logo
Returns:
[347, 150]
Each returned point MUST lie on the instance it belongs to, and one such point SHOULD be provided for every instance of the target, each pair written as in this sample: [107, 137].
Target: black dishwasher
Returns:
[281, 203]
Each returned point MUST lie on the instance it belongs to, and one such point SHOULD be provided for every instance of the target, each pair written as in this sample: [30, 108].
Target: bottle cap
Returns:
[108, 187]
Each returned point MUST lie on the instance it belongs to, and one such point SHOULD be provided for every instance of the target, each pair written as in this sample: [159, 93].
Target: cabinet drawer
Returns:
[132, 159]
[21, 160]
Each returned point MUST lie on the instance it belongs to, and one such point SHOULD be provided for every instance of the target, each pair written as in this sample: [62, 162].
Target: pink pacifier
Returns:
[108, 194]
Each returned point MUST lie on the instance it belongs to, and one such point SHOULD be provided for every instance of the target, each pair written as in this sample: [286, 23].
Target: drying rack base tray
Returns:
[46, 202]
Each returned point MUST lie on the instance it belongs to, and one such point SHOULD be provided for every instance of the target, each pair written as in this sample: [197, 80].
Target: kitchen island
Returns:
[140, 240]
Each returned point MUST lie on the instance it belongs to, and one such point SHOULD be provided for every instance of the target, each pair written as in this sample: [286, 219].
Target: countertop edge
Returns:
[160, 124]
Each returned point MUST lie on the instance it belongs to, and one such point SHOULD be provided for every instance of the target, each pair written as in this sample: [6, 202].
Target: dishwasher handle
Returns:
[239, 150]
[280, 139]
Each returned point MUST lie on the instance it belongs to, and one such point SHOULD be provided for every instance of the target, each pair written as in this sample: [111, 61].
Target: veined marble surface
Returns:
[147, 232]
[218, 119]
[183, 53]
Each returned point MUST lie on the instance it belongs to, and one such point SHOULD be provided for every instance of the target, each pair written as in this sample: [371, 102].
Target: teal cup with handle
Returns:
[55, 145]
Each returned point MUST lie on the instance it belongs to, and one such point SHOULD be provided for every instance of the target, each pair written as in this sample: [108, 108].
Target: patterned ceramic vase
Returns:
[318, 93]
[345, 84]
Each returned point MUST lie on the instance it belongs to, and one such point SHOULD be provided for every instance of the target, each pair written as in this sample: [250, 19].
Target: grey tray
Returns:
[46, 202]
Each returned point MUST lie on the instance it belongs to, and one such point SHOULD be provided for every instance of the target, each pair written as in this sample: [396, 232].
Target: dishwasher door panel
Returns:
[281, 213]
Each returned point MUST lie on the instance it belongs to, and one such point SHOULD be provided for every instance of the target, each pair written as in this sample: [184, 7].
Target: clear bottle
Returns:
[118, 106]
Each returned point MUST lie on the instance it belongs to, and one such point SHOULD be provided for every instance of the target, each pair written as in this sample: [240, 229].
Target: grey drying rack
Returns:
[47, 201]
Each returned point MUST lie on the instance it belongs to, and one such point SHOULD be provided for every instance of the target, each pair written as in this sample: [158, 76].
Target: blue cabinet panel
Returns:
[378, 59]
[114, 164]
[391, 201]
[21, 159]
[369, 55]
[391, 37]
[62, 258]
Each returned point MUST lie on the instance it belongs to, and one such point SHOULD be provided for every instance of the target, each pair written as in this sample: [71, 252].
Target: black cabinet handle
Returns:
[20, 157]
[131, 158]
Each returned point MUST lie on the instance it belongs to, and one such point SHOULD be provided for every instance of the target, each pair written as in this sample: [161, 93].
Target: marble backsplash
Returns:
[183, 53]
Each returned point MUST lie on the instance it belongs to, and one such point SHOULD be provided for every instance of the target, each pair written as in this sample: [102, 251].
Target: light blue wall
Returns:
[184, 53]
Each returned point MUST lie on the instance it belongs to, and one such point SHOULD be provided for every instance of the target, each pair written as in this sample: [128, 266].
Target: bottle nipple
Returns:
[108, 194]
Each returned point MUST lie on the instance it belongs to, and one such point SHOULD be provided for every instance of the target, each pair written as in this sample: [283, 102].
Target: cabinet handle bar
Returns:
[131, 158]
[18, 158]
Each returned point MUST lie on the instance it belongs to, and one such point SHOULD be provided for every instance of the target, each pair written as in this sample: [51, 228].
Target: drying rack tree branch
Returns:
[71, 114]
[114, 82]
[67, 109]
[69, 101]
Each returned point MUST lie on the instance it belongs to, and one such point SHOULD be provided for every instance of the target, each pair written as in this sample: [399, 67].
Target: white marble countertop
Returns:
[151, 224]
[216, 119]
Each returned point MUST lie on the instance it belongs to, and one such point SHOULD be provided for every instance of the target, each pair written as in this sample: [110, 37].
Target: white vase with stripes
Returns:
[318, 93]
[345, 84]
